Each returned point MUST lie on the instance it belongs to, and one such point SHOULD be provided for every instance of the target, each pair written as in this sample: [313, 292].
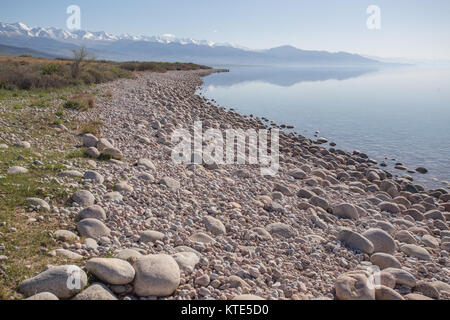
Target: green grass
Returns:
[37, 113]
[27, 248]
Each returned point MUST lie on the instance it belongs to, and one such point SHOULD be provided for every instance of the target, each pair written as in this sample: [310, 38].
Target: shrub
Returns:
[81, 102]
[50, 69]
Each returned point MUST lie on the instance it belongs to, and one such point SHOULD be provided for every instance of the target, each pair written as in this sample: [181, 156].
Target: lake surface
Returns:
[400, 113]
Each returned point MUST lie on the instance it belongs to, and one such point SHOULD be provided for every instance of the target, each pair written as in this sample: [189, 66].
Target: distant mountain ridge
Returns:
[16, 51]
[59, 42]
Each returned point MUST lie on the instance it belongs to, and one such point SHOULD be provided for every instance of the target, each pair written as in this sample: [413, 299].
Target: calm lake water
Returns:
[400, 113]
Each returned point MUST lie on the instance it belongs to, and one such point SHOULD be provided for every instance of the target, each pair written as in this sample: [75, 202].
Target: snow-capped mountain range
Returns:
[20, 29]
[53, 42]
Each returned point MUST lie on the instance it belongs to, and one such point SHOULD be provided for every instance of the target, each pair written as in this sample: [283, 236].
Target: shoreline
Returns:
[430, 175]
[313, 231]
[326, 143]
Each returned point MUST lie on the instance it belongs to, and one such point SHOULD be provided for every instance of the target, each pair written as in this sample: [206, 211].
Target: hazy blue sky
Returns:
[409, 28]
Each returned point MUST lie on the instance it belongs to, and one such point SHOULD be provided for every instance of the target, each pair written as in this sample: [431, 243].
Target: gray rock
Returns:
[402, 277]
[126, 254]
[39, 203]
[415, 251]
[319, 202]
[93, 152]
[113, 196]
[123, 187]
[389, 207]
[111, 270]
[305, 194]
[68, 254]
[434, 215]
[113, 153]
[186, 261]
[96, 291]
[93, 212]
[430, 241]
[156, 275]
[84, 198]
[346, 211]
[386, 293]
[170, 183]
[297, 174]
[65, 235]
[70, 174]
[405, 236]
[151, 236]
[17, 170]
[355, 241]
[215, 226]
[146, 163]
[281, 229]
[202, 238]
[91, 244]
[22, 144]
[43, 296]
[427, 289]
[146, 176]
[354, 286]
[94, 177]
[89, 140]
[103, 144]
[385, 260]
[284, 189]
[441, 286]
[414, 213]
[381, 240]
[92, 228]
[63, 281]
[262, 233]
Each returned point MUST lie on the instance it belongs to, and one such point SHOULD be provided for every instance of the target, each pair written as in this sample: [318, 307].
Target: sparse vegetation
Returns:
[28, 73]
[92, 127]
[80, 102]
[160, 66]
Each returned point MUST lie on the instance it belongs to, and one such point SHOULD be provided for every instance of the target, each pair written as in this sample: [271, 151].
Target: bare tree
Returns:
[78, 57]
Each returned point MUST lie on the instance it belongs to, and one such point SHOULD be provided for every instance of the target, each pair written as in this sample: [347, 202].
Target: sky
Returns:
[413, 29]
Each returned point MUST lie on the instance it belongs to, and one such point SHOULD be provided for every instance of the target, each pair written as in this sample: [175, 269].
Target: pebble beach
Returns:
[327, 226]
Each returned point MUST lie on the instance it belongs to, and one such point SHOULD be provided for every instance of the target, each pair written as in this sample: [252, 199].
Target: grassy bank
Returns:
[26, 236]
